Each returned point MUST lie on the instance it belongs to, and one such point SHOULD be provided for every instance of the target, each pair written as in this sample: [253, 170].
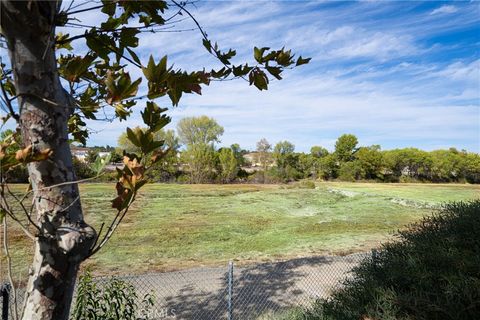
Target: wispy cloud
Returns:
[379, 70]
[445, 9]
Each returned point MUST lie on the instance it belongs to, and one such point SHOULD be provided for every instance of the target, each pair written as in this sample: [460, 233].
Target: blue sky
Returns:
[398, 74]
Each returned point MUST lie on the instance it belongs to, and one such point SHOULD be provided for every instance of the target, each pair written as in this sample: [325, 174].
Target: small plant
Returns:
[117, 301]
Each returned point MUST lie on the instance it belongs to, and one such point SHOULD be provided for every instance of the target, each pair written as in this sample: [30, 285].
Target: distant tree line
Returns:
[193, 157]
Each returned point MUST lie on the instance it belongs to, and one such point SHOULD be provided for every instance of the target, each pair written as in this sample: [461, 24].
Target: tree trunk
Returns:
[44, 106]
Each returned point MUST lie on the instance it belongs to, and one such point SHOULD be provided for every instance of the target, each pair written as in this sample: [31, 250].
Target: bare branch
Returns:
[29, 217]
[113, 226]
[14, 218]
[4, 205]
[84, 10]
[64, 184]
[9, 266]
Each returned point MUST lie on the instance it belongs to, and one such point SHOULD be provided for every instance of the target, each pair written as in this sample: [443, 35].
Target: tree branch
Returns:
[204, 35]
[23, 207]
[111, 229]
[9, 266]
[84, 10]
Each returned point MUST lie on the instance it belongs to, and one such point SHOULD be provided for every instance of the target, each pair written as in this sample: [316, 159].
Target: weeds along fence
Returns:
[231, 292]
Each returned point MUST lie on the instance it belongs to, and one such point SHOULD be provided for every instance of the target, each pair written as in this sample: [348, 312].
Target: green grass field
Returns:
[178, 226]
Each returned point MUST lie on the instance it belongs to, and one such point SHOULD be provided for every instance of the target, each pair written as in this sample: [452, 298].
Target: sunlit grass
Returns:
[178, 226]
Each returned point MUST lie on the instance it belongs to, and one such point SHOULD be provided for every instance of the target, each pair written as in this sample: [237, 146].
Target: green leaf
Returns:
[10, 87]
[101, 44]
[120, 86]
[258, 53]
[301, 61]
[155, 72]
[275, 71]
[121, 109]
[109, 7]
[134, 56]
[72, 68]
[135, 136]
[152, 146]
[128, 37]
[60, 37]
[285, 58]
[207, 44]
[77, 128]
[259, 79]
[153, 118]
[225, 57]
[99, 165]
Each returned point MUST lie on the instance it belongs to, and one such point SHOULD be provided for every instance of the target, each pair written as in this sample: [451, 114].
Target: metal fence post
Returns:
[5, 291]
[230, 290]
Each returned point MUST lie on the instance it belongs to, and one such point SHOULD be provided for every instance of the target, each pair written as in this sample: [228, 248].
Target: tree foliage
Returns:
[201, 162]
[199, 130]
[228, 165]
[345, 147]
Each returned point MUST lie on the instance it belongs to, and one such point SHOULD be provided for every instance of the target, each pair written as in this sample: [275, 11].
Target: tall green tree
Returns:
[409, 163]
[318, 152]
[199, 130]
[229, 165]
[371, 162]
[327, 167]
[201, 161]
[238, 152]
[200, 134]
[285, 160]
[96, 79]
[471, 167]
[263, 155]
[345, 147]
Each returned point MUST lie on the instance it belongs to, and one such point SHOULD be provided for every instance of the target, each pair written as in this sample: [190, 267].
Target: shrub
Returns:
[350, 171]
[303, 184]
[117, 301]
[82, 169]
[432, 272]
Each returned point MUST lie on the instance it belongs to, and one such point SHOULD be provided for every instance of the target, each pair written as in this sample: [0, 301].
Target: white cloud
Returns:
[445, 9]
[409, 103]
[380, 45]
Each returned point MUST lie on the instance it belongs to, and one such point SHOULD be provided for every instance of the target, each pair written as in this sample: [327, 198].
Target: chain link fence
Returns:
[234, 292]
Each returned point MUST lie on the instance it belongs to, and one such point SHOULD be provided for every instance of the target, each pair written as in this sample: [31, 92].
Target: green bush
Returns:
[303, 184]
[432, 272]
[116, 301]
[350, 171]
[82, 169]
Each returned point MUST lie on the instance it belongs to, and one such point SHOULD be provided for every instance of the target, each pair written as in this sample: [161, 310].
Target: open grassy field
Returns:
[178, 226]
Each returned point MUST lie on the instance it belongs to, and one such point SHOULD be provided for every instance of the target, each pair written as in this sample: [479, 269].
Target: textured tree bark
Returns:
[44, 107]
